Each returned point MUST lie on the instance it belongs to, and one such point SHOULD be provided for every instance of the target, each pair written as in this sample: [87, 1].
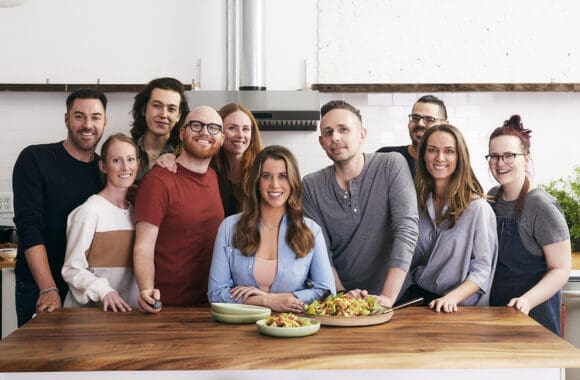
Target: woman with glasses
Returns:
[456, 251]
[270, 254]
[534, 253]
[100, 235]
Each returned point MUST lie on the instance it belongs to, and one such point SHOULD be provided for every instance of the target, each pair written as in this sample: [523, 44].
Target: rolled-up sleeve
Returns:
[321, 276]
[405, 219]
[28, 200]
[220, 276]
[485, 247]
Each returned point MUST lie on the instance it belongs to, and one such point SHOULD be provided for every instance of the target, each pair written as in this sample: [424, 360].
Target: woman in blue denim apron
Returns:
[534, 242]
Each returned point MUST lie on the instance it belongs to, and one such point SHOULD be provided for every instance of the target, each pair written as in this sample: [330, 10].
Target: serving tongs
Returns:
[404, 304]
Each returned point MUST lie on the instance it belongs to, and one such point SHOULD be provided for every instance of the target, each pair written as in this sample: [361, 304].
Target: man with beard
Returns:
[366, 205]
[177, 216]
[427, 112]
[49, 181]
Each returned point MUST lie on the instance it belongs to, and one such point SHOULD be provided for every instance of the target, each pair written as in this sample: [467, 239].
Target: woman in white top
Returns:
[100, 234]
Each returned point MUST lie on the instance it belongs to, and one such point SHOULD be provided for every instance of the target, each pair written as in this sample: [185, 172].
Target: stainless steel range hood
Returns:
[273, 110]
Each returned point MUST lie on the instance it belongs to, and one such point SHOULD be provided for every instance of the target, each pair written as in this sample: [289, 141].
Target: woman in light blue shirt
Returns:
[456, 252]
[270, 254]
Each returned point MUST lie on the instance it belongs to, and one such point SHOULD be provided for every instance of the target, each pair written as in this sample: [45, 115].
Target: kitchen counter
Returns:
[189, 339]
[575, 273]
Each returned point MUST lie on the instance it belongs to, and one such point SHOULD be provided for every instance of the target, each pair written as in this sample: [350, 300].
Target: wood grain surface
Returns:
[189, 338]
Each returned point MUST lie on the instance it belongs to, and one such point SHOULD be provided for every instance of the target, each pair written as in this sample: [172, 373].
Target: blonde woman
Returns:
[100, 235]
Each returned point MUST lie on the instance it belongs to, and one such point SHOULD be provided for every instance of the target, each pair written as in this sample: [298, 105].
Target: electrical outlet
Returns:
[6, 204]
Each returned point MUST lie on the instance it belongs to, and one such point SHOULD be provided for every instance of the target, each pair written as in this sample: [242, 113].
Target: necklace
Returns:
[269, 227]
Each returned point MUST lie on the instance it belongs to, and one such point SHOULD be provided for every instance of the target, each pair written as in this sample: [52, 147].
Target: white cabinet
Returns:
[571, 298]
[9, 323]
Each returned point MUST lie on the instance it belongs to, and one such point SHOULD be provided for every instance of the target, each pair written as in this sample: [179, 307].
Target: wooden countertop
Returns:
[190, 339]
[576, 261]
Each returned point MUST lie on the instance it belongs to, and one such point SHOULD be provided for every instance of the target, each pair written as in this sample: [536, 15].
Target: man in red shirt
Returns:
[177, 216]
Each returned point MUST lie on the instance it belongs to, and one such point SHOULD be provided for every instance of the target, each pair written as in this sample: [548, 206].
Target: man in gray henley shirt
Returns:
[366, 205]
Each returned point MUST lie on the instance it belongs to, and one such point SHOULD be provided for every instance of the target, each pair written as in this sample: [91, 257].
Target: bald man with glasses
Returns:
[177, 216]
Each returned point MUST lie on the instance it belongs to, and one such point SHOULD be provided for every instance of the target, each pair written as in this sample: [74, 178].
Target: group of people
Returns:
[193, 209]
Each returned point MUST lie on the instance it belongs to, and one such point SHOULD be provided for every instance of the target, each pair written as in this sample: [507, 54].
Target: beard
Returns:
[82, 144]
[201, 152]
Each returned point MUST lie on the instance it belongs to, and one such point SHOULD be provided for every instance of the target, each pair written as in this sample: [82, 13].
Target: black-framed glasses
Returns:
[415, 118]
[197, 126]
[507, 157]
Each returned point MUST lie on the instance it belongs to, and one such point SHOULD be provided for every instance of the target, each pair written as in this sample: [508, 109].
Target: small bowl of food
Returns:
[287, 325]
[8, 254]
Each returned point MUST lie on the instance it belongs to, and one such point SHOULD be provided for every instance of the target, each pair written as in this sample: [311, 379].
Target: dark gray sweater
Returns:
[371, 228]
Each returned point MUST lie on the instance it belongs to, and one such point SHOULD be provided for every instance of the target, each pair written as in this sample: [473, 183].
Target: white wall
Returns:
[446, 41]
[70, 36]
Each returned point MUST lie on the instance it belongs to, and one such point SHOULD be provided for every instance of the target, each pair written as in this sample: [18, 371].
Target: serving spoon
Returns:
[404, 304]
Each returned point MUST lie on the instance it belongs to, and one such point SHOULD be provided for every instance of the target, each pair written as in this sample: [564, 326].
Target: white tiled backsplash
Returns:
[551, 116]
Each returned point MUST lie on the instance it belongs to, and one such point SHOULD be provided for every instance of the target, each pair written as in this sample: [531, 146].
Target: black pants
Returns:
[415, 291]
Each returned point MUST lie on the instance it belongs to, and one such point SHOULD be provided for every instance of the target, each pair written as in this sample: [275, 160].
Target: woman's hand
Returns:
[445, 303]
[147, 300]
[167, 161]
[244, 292]
[521, 304]
[284, 303]
[115, 302]
[279, 302]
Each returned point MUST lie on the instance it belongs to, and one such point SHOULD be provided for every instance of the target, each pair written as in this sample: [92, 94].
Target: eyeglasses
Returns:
[415, 118]
[197, 126]
[507, 157]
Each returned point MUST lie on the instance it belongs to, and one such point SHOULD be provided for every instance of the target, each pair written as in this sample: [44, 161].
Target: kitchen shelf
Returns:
[446, 87]
[323, 87]
[66, 87]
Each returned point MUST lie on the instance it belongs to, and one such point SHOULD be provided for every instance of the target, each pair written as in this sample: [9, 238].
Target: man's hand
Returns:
[147, 300]
[49, 301]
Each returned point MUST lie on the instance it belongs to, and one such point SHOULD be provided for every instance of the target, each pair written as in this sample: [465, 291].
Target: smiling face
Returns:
[273, 185]
[162, 111]
[417, 129]
[85, 122]
[441, 156]
[120, 165]
[341, 135]
[508, 174]
[237, 133]
[202, 144]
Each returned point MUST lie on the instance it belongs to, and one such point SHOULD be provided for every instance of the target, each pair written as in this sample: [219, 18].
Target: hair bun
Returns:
[515, 121]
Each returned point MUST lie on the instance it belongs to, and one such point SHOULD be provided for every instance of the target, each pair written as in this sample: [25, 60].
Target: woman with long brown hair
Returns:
[456, 251]
[270, 254]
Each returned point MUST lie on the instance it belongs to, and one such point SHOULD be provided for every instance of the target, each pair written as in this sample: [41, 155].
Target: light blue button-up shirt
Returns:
[306, 277]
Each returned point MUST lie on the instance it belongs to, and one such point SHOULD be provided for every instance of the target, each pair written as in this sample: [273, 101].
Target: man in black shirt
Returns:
[427, 112]
[49, 181]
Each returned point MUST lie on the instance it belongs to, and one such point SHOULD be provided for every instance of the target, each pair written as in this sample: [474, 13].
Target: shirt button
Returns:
[355, 210]
[345, 197]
